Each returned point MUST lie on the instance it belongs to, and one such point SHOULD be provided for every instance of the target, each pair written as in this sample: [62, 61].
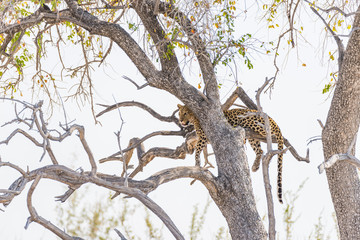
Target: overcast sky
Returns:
[295, 104]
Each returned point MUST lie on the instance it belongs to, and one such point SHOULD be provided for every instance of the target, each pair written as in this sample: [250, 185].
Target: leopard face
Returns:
[186, 116]
[246, 118]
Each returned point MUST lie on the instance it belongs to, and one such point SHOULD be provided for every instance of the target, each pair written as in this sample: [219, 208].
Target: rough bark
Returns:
[234, 197]
[341, 127]
[232, 190]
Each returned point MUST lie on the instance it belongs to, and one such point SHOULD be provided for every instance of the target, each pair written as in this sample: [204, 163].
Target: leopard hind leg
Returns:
[258, 151]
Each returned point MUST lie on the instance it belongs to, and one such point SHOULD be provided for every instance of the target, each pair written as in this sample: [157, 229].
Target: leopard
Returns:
[245, 118]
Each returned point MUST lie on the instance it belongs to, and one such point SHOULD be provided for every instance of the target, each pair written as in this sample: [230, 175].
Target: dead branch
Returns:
[75, 179]
[122, 237]
[34, 217]
[125, 162]
[153, 134]
[137, 189]
[145, 157]
[265, 163]
[133, 82]
[347, 157]
[108, 108]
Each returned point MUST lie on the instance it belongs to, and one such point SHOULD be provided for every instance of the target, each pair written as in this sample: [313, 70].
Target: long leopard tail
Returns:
[280, 141]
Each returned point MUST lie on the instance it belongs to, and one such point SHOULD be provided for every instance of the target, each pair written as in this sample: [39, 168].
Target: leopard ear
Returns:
[180, 106]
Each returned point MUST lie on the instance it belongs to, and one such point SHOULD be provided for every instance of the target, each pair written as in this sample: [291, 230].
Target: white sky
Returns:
[296, 103]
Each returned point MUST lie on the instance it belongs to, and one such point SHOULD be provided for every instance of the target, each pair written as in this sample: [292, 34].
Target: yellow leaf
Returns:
[199, 86]
[349, 26]
[304, 64]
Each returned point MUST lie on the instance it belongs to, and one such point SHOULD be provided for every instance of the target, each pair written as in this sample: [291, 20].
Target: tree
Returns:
[174, 33]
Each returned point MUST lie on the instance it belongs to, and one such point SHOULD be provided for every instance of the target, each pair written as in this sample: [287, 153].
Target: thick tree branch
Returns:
[197, 44]
[73, 178]
[117, 34]
[169, 62]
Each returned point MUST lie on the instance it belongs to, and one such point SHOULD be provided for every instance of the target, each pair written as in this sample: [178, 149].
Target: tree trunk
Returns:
[234, 195]
[341, 127]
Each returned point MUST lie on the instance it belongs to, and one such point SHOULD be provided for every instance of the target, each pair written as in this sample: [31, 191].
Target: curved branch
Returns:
[28, 136]
[137, 189]
[34, 217]
[153, 134]
[338, 41]
[331, 9]
[108, 108]
[178, 153]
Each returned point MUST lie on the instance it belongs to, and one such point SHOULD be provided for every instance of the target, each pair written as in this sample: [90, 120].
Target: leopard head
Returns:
[186, 116]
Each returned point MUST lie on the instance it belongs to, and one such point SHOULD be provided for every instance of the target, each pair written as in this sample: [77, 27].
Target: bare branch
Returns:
[133, 82]
[331, 9]
[122, 237]
[321, 124]
[338, 41]
[339, 157]
[28, 136]
[17, 168]
[71, 177]
[81, 135]
[139, 105]
[153, 134]
[265, 163]
[347, 157]
[34, 217]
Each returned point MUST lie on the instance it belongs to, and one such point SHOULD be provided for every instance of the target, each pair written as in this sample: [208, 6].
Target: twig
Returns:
[321, 124]
[121, 152]
[338, 41]
[331, 9]
[153, 134]
[133, 82]
[108, 108]
[81, 135]
[122, 237]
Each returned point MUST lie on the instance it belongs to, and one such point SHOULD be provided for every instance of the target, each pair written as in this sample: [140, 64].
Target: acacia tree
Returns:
[173, 32]
[340, 130]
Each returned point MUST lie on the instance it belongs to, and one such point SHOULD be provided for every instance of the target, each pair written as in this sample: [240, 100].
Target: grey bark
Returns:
[232, 189]
[340, 129]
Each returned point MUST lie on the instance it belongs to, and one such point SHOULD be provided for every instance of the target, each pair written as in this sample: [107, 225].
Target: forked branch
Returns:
[347, 157]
